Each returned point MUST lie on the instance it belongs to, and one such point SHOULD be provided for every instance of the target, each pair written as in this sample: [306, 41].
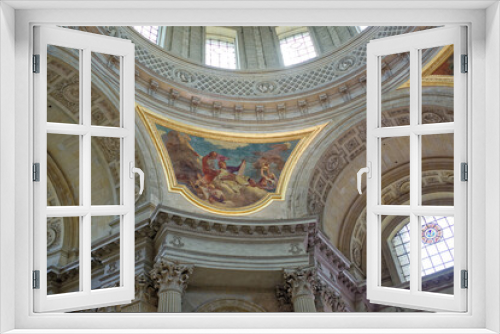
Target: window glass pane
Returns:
[437, 254]
[105, 252]
[150, 32]
[297, 48]
[63, 170]
[437, 84]
[63, 85]
[63, 255]
[395, 249]
[395, 169]
[105, 100]
[395, 99]
[106, 172]
[220, 53]
[437, 169]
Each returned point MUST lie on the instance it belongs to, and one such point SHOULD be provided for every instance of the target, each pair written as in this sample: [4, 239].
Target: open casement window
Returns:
[427, 231]
[71, 134]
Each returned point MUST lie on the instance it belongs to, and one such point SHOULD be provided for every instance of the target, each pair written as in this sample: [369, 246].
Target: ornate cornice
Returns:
[230, 227]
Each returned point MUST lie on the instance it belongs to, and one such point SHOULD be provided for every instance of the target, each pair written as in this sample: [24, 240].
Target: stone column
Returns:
[300, 284]
[171, 281]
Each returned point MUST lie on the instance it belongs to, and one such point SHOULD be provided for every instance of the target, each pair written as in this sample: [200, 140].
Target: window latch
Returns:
[368, 171]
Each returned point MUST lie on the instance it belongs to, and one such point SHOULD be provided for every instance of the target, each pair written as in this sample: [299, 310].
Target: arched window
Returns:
[437, 246]
[220, 47]
[296, 45]
[150, 32]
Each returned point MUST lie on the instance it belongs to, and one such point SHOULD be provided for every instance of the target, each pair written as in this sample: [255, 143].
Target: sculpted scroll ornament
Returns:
[185, 76]
[346, 63]
[314, 204]
[266, 87]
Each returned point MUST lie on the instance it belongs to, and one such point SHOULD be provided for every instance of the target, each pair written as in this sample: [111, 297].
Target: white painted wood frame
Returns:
[17, 19]
[86, 43]
[414, 43]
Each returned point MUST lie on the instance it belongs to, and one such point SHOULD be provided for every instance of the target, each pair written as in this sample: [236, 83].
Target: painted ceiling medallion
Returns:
[223, 172]
[432, 233]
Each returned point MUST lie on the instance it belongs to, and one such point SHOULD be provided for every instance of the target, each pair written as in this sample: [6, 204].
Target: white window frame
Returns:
[86, 43]
[484, 103]
[414, 43]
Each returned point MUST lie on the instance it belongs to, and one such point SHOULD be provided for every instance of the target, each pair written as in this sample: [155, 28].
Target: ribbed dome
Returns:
[249, 48]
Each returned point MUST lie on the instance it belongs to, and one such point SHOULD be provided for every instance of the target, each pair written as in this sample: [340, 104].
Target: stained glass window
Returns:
[220, 53]
[150, 32]
[437, 246]
[297, 48]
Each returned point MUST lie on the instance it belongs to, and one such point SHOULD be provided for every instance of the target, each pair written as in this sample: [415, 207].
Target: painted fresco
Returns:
[224, 173]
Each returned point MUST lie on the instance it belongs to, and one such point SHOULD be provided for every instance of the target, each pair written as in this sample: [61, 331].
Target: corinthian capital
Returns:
[300, 281]
[168, 275]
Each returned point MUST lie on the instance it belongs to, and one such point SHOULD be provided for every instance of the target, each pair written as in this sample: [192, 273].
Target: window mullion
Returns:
[414, 173]
[86, 161]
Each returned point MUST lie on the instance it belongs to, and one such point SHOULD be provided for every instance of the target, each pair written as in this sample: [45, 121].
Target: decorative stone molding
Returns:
[328, 300]
[259, 110]
[195, 102]
[225, 226]
[174, 95]
[283, 297]
[217, 107]
[168, 275]
[302, 104]
[323, 100]
[282, 111]
[238, 83]
[170, 278]
[300, 281]
[153, 87]
[301, 284]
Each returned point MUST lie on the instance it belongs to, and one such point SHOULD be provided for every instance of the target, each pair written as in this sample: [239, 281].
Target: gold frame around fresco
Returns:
[306, 136]
[429, 80]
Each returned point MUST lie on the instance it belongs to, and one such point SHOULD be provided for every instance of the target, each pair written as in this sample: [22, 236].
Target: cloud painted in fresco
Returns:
[226, 144]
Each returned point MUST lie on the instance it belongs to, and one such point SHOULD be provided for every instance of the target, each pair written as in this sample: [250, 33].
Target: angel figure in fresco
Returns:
[268, 179]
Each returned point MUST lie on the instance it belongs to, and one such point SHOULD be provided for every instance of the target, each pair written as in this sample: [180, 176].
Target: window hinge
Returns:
[465, 279]
[36, 279]
[36, 172]
[36, 63]
[464, 171]
[465, 64]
